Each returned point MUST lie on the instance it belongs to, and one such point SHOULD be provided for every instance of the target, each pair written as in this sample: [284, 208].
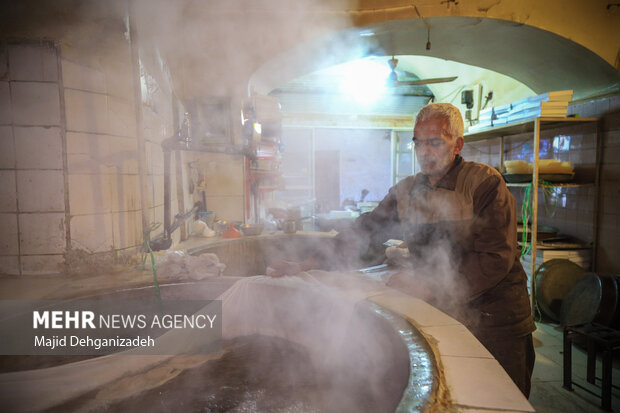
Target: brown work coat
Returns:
[462, 239]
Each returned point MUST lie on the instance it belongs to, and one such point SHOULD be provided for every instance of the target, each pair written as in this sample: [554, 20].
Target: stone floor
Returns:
[547, 394]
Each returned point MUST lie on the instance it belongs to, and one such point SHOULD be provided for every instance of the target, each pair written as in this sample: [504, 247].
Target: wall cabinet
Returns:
[535, 127]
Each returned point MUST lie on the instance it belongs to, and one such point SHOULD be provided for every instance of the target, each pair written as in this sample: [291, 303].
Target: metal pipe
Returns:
[164, 240]
[534, 226]
[178, 164]
[597, 195]
[178, 142]
[137, 97]
[179, 184]
[167, 157]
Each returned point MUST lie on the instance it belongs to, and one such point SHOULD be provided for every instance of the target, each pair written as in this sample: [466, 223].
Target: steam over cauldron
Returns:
[288, 345]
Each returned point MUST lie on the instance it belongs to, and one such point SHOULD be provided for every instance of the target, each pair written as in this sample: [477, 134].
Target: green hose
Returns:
[526, 210]
[526, 214]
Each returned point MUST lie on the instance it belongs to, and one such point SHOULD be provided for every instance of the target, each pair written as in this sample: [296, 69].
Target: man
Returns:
[458, 220]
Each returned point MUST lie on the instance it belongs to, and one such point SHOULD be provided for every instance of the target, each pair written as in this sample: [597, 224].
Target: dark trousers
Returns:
[516, 355]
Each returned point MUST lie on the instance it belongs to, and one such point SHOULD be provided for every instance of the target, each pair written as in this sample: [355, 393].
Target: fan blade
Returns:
[425, 81]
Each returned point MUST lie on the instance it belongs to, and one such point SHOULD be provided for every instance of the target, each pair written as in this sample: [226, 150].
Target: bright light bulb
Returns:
[365, 80]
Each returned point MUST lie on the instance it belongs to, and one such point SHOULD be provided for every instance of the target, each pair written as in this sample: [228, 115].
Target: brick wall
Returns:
[32, 181]
[69, 160]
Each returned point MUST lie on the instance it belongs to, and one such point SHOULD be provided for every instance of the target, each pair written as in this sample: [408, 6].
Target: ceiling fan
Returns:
[394, 81]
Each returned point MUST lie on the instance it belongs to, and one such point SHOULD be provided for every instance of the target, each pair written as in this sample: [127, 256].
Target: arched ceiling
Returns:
[540, 60]
[362, 87]
[217, 48]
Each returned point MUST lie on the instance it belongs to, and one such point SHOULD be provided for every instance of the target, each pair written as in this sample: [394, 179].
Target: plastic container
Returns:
[251, 229]
[518, 167]
[289, 227]
[208, 217]
[231, 232]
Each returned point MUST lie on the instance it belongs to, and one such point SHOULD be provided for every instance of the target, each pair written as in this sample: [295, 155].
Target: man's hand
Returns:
[408, 283]
[398, 257]
[282, 268]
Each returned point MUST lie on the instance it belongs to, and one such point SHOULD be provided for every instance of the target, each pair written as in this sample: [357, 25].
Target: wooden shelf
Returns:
[554, 184]
[540, 246]
[523, 126]
[535, 126]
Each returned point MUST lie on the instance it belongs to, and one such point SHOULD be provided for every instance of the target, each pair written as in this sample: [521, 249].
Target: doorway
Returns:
[327, 180]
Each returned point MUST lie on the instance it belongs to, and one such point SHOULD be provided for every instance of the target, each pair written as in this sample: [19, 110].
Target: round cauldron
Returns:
[313, 347]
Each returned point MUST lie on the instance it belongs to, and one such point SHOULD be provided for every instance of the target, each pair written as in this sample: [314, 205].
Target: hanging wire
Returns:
[428, 28]
[448, 96]
[470, 145]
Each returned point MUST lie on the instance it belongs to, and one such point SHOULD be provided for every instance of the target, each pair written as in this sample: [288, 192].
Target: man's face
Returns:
[434, 148]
